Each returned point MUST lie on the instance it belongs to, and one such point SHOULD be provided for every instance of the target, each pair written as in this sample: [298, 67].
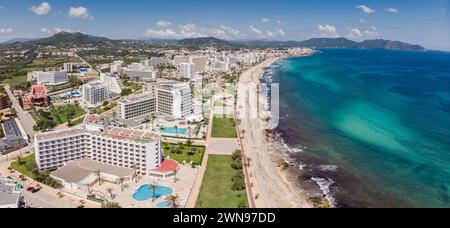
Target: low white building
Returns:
[50, 78]
[116, 67]
[94, 93]
[10, 196]
[112, 82]
[139, 72]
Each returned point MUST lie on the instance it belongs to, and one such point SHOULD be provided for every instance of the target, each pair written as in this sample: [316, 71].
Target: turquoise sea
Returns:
[371, 128]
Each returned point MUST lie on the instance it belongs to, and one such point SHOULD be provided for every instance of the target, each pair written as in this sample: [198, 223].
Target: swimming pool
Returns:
[164, 204]
[145, 192]
[172, 130]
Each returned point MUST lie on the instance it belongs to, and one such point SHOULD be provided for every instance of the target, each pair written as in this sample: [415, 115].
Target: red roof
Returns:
[167, 166]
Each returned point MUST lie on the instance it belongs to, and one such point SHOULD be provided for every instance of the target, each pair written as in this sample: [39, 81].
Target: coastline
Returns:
[274, 183]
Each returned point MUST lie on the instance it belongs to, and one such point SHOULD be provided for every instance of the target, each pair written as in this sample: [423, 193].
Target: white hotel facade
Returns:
[174, 100]
[137, 106]
[50, 78]
[94, 93]
[112, 146]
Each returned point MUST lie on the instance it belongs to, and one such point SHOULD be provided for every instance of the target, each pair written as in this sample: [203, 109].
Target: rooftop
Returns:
[137, 98]
[115, 133]
[77, 171]
[166, 167]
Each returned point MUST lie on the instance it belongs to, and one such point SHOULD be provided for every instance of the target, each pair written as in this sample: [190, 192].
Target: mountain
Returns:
[205, 42]
[329, 43]
[17, 40]
[67, 38]
[336, 43]
[389, 45]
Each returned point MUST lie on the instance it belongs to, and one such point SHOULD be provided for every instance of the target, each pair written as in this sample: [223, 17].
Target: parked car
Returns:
[29, 189]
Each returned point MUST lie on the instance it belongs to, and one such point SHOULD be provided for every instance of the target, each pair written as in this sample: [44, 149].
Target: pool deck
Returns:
[186, 176]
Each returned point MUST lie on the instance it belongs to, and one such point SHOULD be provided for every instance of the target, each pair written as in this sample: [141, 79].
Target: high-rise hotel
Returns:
[94, 140]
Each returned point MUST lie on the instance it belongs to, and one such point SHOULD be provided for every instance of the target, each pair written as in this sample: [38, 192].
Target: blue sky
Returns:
[415, 21]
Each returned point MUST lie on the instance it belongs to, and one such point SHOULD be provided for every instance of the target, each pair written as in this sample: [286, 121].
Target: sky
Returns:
[414, 21]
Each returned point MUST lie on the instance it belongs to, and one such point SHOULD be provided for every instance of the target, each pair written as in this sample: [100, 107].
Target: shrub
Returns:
[236, 164]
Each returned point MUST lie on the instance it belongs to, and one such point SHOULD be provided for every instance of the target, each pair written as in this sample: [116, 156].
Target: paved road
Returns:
[25, 119]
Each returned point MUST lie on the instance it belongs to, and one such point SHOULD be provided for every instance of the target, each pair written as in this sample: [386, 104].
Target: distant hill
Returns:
[336, 43]
[67, 38]
[17, 40]
[205, 42]
[389, 45]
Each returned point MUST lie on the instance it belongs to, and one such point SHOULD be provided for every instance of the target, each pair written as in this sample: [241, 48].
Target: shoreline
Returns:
[274, 186]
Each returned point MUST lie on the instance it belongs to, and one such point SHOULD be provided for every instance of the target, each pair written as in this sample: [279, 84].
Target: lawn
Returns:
[63, 113]
[216, 187]
[25, 165]
[170, 149]
[224, 128]
[57, 115]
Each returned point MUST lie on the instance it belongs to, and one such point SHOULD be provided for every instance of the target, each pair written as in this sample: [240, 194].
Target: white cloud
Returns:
[369, 33]
[392, 10]
[163, 24]
[265, 20]
[279, 22]
[270, 33]
[46, 30]
[6, 30]
[362, 20]
[160, 33]
[281, 32]
[354, 33]
[327, 31]
[41, 10]
[192, 31]
[255, 30]
[58, 30]
[366, 9]
[373, 27]
[79, 12]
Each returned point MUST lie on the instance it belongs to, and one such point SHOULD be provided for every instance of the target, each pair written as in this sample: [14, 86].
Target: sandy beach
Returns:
[272, 186]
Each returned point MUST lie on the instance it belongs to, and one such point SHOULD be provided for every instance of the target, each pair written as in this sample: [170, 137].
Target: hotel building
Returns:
[37, 97]
[174, 100]
[111, 81]
[95, 93]
[138, 71]
[111, 146]
[200, 62]
[138, 106]
[50, 78]
[187, 70]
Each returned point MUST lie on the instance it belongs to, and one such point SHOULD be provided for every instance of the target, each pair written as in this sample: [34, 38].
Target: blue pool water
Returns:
[164, 204]
[145, 192]
[172, 130]
[73, 94]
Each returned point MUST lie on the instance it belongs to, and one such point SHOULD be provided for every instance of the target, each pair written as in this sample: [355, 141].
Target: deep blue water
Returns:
[381, 117]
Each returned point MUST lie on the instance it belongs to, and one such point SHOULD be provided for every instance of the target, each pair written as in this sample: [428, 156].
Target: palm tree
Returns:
[135, 172]
[153, 188]
[189, 144]
[173, 199]
[121, 181]
[89, 189]
[99, 176]
[110, 191]
[176, 129]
